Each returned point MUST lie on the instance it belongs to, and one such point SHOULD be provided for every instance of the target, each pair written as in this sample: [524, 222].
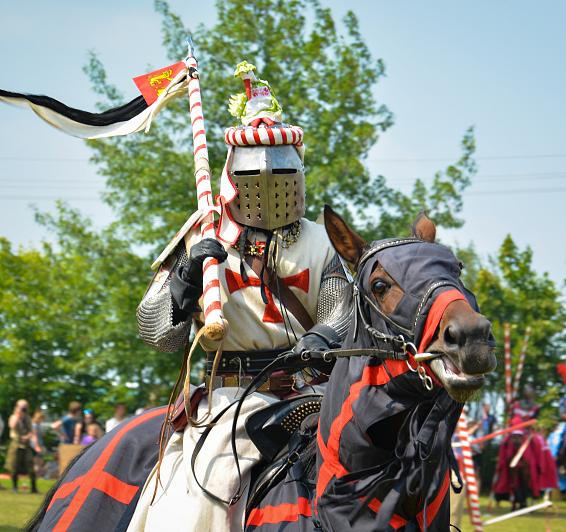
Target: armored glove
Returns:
[319, 338]
[186, 282]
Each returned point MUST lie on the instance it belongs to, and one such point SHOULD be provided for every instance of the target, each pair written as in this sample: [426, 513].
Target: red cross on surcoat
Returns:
[271, 314]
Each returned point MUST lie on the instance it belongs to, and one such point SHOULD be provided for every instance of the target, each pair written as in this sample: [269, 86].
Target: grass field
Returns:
[17, 508]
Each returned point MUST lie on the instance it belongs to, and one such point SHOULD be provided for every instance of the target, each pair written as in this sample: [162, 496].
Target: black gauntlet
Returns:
[319, 338]
[186, 282]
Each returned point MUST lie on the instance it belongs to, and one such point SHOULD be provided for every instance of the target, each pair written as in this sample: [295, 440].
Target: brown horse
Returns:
[384, 456]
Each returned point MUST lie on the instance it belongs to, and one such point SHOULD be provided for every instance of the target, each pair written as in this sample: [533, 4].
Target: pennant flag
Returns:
[123, 120]
[153, 84]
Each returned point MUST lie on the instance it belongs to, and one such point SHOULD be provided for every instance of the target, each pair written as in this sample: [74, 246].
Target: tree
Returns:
[68, 309]
[324, 80]
[67, 312]
[508, 289]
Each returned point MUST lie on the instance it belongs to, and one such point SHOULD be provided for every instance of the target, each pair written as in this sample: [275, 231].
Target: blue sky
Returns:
[498, 65]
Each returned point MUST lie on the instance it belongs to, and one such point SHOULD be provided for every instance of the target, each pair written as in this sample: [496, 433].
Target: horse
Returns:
[383, 438]
[377, 456]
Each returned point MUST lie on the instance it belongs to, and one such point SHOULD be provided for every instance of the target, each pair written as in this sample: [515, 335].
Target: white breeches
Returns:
[180, 505]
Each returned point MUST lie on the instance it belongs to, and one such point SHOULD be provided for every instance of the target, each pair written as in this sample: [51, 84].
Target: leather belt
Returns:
[248, 362]
[279, 384]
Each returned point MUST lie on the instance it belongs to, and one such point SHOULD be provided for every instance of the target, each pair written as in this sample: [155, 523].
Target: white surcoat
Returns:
[253, 325]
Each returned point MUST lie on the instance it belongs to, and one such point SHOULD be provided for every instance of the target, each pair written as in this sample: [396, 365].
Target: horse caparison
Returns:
[379, 455]
[383, 453]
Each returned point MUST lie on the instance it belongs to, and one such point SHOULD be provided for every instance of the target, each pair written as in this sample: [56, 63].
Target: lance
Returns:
[487, 437]
[521, 363]
[214, 323]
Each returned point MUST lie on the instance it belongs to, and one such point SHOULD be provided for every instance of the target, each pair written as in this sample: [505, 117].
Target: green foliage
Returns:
[67, 312]
[325, 81]
[509, 290]
[442, 200]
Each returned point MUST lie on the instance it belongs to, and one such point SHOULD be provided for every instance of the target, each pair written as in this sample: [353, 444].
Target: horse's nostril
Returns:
[451, 335]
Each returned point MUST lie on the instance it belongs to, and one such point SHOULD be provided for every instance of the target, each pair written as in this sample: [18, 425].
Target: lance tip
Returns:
[190, 45]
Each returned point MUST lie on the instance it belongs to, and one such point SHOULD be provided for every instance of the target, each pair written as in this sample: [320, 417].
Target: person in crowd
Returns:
[119, 416]
[557, 444]
[70, 425]
[482, 427]
[525, 466]
[19, 459]
[93, 433]
[89, 418]
[38, 445]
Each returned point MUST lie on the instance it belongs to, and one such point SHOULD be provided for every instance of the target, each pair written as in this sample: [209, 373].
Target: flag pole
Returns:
[214, 323]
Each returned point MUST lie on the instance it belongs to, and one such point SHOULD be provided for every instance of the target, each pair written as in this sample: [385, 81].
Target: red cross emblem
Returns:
[271, 314]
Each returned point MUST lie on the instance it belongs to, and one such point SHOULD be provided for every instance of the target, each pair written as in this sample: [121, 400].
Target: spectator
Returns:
[89, 418]
[70, 426]
[534, 470]
[37, 443]
[93, 433]
[482, 427]
[19, 460]
[36, 421]
[119, 416]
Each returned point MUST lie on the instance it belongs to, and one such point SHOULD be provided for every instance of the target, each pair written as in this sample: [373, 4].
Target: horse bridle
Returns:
[386, 347]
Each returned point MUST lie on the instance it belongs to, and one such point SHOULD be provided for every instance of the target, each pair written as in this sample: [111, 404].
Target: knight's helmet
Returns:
[265, 158]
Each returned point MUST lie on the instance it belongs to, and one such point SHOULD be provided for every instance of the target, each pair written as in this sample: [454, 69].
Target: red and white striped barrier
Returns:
[214, 320]
[472, 492]
[508, 371]
[521, 363]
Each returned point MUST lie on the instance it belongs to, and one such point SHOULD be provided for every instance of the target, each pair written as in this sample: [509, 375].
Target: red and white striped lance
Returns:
[472, 492]
[508, 370]
[521, 363]
[212, 303]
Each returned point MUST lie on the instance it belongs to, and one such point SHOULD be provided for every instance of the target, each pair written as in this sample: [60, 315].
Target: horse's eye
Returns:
[379, 287]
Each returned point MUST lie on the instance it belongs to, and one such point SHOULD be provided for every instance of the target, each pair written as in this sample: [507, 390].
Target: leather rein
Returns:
[387, 347]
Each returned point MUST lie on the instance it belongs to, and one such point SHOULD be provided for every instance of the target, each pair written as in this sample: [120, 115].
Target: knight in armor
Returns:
[281, 286]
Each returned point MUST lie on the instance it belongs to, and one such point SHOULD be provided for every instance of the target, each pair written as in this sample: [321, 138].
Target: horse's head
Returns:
[401, 281]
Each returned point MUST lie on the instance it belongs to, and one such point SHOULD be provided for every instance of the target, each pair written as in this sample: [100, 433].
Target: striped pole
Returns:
[508, 376]
[472, 493]
[214, 328]
[522, 355]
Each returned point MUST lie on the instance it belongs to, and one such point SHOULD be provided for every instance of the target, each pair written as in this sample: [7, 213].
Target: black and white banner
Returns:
[123, 120]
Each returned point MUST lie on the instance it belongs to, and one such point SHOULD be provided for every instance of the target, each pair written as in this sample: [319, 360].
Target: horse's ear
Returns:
[424, 228]
[346, 242]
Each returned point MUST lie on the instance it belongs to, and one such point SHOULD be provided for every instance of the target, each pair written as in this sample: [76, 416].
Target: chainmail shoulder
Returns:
[334, 300]
[155, 314]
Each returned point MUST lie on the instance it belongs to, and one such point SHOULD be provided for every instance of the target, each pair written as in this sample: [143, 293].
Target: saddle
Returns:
[285, 434]
[271, 428]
